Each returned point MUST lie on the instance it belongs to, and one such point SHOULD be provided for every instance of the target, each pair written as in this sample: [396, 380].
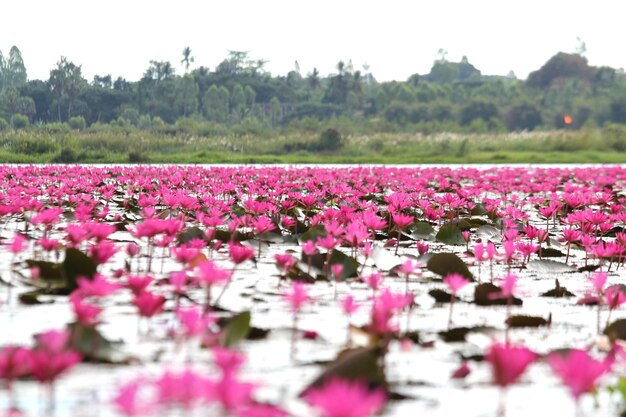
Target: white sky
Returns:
[396, 37]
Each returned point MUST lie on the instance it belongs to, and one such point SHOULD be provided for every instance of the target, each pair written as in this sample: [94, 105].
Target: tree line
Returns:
[566, 92]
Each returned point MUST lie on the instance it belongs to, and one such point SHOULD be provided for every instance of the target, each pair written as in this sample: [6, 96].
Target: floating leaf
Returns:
[616, 330]
[273, 236]
[32, 298]
[440, 296]
[94, 347]
[458, 334]
[588, 268]
[359, 364]
[551, 253]
[448, 263]
[48, 271]
[543, 266]
[450, 235]
[312, 234]
[488, 232]
[526, 321]
[558, 291]
[190, 234]
[421, 231]
[318, 263]
[77, 265]
[350, 265]
[256, 333]
[487, 294]
[236, 329]
[479, 210]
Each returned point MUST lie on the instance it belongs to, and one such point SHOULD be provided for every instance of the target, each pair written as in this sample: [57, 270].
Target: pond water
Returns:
[419, 371]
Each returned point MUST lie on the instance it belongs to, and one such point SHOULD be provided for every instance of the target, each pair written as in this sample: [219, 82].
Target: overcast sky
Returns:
[396, 38]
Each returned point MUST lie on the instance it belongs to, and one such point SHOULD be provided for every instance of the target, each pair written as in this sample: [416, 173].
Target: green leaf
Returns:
[312, 234]
[94, 347]
[450, 235]
[236, 329]
[421, 231]
[440, 296]
[486, 294]
[526, 321]
[616, 330]
[191, 233]
[448, 263]
[350, 265]
[77, 265]
[359, 364]
[458, 334]
[479, 210]
[48, 271]
[551, 253]
[557, 291]
[487, 232]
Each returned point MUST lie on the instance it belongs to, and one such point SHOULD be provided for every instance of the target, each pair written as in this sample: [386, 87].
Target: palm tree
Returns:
[314, 79]
[187, 58]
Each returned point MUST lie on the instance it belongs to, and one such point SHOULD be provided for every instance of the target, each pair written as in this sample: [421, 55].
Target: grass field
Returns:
[606, 145]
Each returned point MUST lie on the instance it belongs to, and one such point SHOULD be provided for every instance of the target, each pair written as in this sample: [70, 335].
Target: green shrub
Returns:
[66, 156]
[20, 121]
[4, 125]
[77, 123]
[329, 140]
[137, 157]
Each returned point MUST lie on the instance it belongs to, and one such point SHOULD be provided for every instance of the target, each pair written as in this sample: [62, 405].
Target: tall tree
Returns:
[237, 102]
[186, 101]
[187, 58]
[215, 102]
[67, 83]
[15, 72]
[2, 71]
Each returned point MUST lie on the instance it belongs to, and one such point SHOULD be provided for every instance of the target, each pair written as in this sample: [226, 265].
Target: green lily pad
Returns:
[616, 330]
[359, 364]
[448, 263]
[236, 329]
[421, 231]
[487, 294]
[450, 235]
[94, 347]
[77, 265]
[526, 321]
[557, 291]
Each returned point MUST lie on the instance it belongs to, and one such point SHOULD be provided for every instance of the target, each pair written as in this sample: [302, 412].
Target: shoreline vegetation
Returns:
[60, 144]
[567, 111]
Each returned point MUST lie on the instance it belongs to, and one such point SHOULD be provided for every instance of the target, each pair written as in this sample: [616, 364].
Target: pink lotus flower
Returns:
[149, 304]
[128, 399]
[15, 362]
[578, 370]
[87, 314]
[193, 321]
[52, 357]
[297, 297]
[349, 305]
[18, 244]
[239, 253]
[455, 282]
[99, 286]
[339, 398]
[508, 363]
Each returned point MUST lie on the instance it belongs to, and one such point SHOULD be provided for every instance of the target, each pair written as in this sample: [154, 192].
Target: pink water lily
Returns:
[339, 398]
[578, 370]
